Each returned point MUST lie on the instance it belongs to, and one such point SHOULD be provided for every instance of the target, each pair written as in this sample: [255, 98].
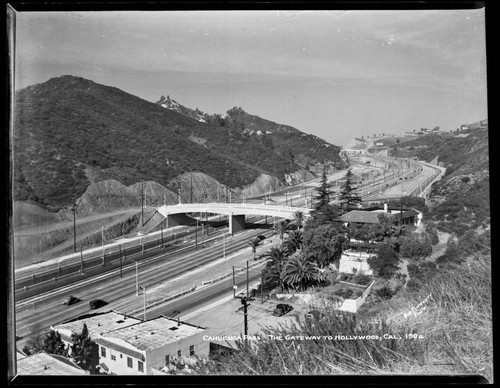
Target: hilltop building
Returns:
[147, 347]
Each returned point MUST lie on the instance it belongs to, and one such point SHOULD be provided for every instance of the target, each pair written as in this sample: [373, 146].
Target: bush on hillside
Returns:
[386, 262]
[414, 248]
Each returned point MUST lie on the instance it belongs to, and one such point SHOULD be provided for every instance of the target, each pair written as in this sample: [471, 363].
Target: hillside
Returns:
[283, 143]
[461, 200]
[70, 132]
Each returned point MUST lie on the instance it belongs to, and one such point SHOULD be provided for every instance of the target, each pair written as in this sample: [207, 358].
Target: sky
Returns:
[334, 74]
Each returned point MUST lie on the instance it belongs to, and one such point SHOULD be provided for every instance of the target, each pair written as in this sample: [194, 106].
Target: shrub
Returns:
[362, 279]
[385, 263]
[413, 248]
[432, 233]
[413, 284]
[385, 292]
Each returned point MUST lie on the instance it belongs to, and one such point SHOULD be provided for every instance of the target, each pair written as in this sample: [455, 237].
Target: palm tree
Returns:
[298, 218]
[254, 243]
[281, 227]
[275, 266]
[293, 243]
[301, 272]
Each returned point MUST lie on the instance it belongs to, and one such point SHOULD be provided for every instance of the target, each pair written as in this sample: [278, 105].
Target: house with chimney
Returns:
[150, 347]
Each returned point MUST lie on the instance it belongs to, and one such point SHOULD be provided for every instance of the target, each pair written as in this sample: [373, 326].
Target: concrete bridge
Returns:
[176, 214]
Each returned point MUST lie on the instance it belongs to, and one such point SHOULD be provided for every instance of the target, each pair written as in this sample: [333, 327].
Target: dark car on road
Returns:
[282, 309]
[96, 303]
[71, 300]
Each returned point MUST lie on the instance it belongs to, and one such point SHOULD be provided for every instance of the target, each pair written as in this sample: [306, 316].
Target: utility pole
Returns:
[262, 286]
[227, 177]
[142, 202]
[161, 231]
[245, 304]
[81, 259]
[121, 259]
[247, 279]
[136, 280]
[196, 236]
[102, 240]
[234, 285]
[191, 187]
[74, 226]
[144, 297]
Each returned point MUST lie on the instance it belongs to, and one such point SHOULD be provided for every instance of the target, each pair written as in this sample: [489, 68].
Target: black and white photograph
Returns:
[248, 193]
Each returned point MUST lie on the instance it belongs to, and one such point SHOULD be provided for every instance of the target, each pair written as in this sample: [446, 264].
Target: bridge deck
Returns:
[233, 209]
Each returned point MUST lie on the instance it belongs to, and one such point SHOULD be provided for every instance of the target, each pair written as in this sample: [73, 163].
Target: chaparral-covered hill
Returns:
[70, 133]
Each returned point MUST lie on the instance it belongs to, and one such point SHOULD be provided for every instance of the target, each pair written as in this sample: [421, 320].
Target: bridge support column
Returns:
[236, 223]
[179, 219]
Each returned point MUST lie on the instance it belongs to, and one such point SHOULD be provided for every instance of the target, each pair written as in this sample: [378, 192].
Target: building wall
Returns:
[156, 358]
[347, 263]
[119, 365]
[152, 358]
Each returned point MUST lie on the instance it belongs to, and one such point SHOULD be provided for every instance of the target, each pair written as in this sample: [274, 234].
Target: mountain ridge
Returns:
[70, 132]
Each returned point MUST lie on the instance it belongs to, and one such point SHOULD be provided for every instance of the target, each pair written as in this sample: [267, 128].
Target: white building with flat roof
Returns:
[42, 363]
[151, 345]
[96, 324]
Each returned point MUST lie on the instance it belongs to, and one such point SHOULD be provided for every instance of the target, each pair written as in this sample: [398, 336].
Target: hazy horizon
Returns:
[334, 74]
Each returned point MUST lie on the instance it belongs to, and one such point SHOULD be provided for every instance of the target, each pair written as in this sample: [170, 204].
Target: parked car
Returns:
[282, 309]
[96, 303]
[261, 237]
[313, 314]
[71, 300]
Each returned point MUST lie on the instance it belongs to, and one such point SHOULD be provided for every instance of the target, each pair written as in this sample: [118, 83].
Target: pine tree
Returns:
[53, 344]
[324, 193]
[348, 198]
[83, 349]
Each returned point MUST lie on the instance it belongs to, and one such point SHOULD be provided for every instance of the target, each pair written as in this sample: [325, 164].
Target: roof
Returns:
[371, 216]
[366, 217]
[152, 334]
[98, 324]
[47, 364]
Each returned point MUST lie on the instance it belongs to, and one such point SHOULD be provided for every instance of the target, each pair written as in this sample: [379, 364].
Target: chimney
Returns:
[178, 322]
[124, 315]
[385, 208]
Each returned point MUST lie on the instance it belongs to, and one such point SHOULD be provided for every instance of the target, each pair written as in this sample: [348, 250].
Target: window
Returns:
[179, 353]
[103, 351]
[140, 366]
[113, 357]
[191, 350]
[167, 359]
[129, 362]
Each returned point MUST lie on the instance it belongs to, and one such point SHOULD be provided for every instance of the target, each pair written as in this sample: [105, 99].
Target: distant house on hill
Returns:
[371, 215]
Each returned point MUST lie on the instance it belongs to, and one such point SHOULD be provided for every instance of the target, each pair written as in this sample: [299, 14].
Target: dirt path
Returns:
[440, 247]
